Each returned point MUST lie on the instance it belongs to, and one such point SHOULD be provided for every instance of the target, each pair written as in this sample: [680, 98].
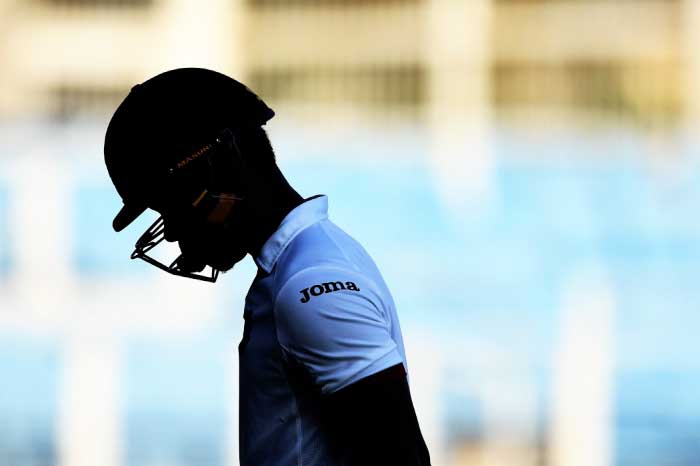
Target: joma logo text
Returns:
[327, 287]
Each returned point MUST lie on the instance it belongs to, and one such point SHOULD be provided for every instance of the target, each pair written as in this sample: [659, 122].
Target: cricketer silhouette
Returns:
[189, 144]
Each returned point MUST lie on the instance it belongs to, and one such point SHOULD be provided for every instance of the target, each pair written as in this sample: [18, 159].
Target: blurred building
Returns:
[628, 59]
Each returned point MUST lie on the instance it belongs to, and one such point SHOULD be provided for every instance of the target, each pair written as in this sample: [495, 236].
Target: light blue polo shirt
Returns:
[318, 317]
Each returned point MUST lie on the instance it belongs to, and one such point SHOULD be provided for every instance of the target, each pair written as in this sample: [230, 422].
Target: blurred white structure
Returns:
[582, 410]
[500, 380]
[691, 58]
[458, 58]
[426, 363]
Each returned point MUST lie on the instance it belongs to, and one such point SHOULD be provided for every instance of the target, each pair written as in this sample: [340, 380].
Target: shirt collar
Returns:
[302, 216]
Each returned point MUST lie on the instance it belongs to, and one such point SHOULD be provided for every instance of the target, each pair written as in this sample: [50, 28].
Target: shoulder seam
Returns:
[357, 269]
[323, 227]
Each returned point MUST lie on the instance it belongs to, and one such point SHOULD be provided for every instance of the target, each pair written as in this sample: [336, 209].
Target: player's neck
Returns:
[270, 212]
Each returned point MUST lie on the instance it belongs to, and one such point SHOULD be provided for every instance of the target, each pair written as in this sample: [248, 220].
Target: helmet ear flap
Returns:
[226, 179]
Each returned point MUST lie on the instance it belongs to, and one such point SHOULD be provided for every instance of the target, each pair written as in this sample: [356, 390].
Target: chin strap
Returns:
[220, 205]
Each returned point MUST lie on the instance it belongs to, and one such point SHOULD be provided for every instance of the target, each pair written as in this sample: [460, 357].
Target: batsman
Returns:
[323, 372]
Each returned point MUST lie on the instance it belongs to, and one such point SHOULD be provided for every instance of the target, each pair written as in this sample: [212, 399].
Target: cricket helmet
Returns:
[164, 121]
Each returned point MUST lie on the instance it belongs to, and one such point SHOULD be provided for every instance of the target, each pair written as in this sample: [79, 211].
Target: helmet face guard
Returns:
[222, 157]
[150, 239]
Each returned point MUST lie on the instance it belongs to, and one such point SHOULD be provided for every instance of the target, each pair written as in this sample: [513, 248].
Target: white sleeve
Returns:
[334, 323]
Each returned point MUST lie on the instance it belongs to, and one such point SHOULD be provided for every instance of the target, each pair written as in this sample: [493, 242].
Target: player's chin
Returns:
[224, 263]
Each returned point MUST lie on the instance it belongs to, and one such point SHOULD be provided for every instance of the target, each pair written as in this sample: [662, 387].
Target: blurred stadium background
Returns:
[524, 172]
